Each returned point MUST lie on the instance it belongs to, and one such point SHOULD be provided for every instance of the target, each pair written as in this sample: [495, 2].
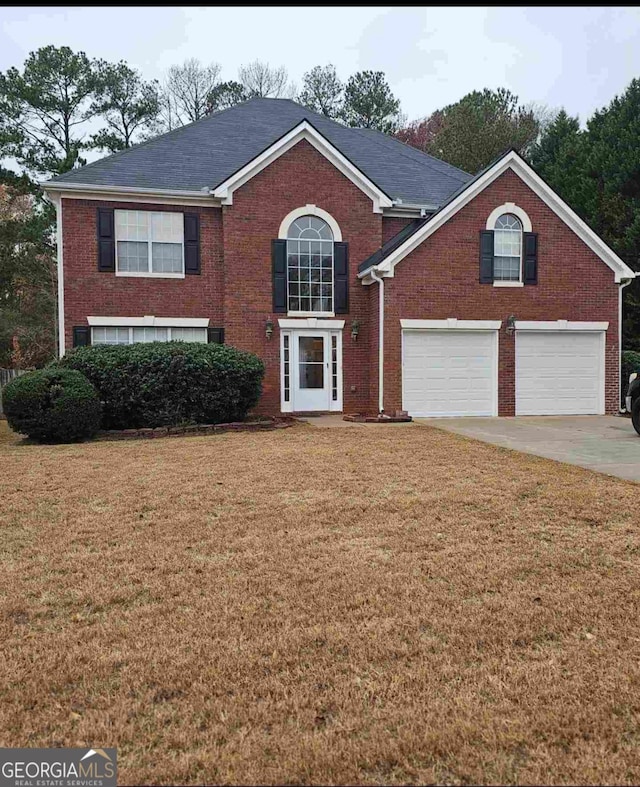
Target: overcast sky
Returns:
[578, 58]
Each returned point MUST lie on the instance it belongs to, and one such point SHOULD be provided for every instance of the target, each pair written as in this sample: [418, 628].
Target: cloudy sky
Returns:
[579, 58]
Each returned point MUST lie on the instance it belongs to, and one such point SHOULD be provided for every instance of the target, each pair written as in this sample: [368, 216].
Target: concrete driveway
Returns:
[604, 443]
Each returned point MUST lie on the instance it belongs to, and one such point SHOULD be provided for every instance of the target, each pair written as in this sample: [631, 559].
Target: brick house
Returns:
[367, 275]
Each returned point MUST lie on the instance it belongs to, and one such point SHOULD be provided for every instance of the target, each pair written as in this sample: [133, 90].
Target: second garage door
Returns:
[449, 373]
[559, 372]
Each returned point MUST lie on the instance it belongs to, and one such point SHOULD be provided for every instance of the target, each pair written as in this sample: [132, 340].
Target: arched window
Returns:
[310, 265]
[507, 248]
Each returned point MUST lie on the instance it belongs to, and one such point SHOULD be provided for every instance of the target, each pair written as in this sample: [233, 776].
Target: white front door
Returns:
[311, 370]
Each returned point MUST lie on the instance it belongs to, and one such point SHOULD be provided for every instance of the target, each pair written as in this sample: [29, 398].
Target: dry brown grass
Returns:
[371, 605]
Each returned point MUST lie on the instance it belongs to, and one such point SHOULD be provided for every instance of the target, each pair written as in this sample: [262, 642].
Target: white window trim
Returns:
[525, 221]
[147, 274]
[310, 314]
[309, 210]
[150, 275]
[509, 207]
[560, 325]
[149, 321]
[510, 283]
[452, 323]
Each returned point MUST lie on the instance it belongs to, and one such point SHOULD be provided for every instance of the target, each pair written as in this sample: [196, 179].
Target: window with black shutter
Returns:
[312, 277]
[106, 240]
[191, 243]
[508, 254]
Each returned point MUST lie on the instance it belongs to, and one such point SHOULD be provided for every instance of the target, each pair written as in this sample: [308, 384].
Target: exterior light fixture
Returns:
[268, 328]
[355, 329]
[511, 324]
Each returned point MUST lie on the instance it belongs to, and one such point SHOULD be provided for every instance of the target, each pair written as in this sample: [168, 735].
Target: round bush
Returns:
[52, 405]
[169, 383]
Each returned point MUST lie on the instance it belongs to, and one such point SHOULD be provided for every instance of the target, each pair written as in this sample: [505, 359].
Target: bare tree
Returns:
[260, 80]
[323, 91]
[186, 92]
[544, 114]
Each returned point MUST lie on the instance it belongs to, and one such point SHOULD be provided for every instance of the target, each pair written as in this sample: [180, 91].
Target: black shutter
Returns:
[191, 243]
[530, 275]
[486, 257]
[106, 240]
[340, 278]
[279, 273]
[215, 335]
[81, 336]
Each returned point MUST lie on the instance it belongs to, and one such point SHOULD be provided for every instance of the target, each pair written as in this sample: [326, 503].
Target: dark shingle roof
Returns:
[391, 245]
[205, 153]
[406, 232]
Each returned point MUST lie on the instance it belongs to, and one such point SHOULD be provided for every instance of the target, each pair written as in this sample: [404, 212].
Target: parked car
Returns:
[632, 400]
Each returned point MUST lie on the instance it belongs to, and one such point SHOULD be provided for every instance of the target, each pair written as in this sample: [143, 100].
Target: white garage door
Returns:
[448, 373]
[559, 373]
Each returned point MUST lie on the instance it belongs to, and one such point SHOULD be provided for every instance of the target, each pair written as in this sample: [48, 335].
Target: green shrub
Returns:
[52, 405]
[169, 383]
[630, 363]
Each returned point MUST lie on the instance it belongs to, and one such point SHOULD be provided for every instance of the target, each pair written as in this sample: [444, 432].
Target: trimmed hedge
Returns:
[630, 363]
[52, 405]
[169, 383]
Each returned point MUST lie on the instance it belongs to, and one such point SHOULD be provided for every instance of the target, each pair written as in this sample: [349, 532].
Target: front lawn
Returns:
[358, 605]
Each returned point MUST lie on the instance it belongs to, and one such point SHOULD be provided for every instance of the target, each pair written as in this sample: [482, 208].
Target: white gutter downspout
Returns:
[380, 280]
[624, 283]
[57, 201]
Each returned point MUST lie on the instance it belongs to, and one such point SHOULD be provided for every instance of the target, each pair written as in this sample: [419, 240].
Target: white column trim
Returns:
[560, 325]
[452, 323]
[149, 321]
[57, 201]
[312, 322]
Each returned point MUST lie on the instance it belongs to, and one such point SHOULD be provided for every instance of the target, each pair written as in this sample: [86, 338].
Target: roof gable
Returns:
[513, 161]
[392, 244]
[198, 157]
[303, 131]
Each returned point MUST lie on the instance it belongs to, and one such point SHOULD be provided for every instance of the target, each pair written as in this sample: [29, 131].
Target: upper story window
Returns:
[507, 248]
[310, 265]
[149, 243]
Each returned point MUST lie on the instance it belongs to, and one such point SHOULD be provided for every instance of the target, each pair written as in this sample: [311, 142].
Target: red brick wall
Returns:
[391, 225]
[440, 279]
[300, 177]
[89, 292]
